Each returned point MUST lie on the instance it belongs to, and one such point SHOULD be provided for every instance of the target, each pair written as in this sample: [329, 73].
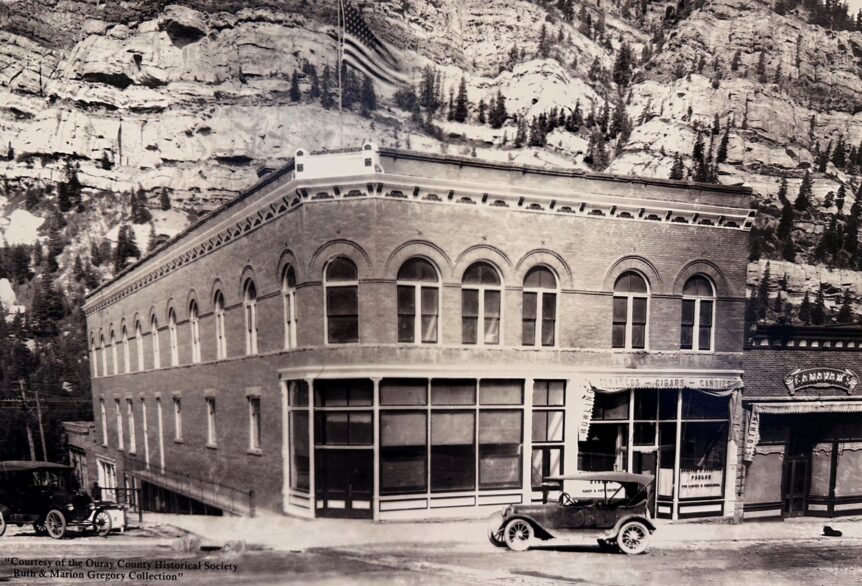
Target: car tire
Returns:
[518, 535]
[495, 536]
[55, 523]
[2, 524]
[608, 545]
[39, 528]
[102, 523]
[632, 538]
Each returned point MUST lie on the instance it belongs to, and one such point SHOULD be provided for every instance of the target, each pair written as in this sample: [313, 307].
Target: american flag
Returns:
[363, 51]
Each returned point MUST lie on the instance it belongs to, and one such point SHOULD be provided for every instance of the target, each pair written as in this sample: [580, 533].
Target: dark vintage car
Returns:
[41, 494]
[614, 513]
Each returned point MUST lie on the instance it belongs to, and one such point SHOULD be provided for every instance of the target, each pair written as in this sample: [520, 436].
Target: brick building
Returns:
[803, 408]
[389, 334]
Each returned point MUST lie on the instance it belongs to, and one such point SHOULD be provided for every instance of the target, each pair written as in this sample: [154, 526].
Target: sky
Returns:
[854, 5]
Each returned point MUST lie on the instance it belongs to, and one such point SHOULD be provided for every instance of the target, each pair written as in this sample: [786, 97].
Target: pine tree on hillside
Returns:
[803, 199]
[481, 115]
[69, 191]
[785, 223]
[498, 114]
[368, 98]
[622, 71]
[819, 313]
[839, 197]
[845, 312]
[597, 154]
[78, 269]
[763, 292]
[327, 99]
[677, 170]
[821, 158]
[152, 241]
[827, 201]
[295, 94]
[165, 199]
[314, 89]
[544, 44]
[777, 77]
[461, 103]
[839, 154]
[760, 69]
[805, 310]
[140, 213]
[734, 62]
[96, 257]
[782, 191]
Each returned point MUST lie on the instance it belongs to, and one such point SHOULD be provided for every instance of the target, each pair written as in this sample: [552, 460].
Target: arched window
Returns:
[127, 358]
[172, 337]
[418, 301]
[218, 312]
[154, 333]
[480, 304]
[630, 311]
[195, 331]
[539, 323]
[698, 307]
[249, 300]
[139, 345]
[341, 281]
[104, 354]
[288, 294]
[94, 360]
[114, 362]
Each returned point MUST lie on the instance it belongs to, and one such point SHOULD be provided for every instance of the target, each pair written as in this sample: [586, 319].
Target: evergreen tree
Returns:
[803, 199]
[327, 99]
[77, 268]
[140, 213]
[760, 69]
[314, 89]
[819, 313]
[544, 45]
[845, 313]
[839, 154]
[782, 191]
[827, 201]
[461, 104]
[777, 78]
[481, 117]
[521, 133]
[498, 114]
[295, 94]
[368, 98]
[69, 191]
[839, 197]
[763, 292]
[95, 254]
[721, 155]
[785, 223]
[597, 152]
[623, 63]
[152, 241]
[805, 310]
[734, 63]
[677, 170]
[164, 199]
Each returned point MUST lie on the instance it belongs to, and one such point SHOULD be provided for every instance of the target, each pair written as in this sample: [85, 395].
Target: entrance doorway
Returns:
[646, 462]
[344, 482]
[796, 476]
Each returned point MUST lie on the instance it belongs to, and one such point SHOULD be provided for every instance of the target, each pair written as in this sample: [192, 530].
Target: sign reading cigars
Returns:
[845, 380]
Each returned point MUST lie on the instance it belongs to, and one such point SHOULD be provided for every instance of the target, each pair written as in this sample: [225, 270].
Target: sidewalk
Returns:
[285, 533]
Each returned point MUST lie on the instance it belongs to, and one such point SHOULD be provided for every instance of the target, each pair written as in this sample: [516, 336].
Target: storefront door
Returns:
[344, 482]
[795, 486]
[646, 462]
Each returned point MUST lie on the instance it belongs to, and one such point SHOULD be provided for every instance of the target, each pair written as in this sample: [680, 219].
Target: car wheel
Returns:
[518, 535]
[102, 523]
[608, 545]
[55, 523]
[495, 536]
[39, 528]
[632, 538]
[2, 524]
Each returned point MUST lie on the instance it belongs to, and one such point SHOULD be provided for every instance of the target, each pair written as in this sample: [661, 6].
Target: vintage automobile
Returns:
[614, 512]
[41, 493]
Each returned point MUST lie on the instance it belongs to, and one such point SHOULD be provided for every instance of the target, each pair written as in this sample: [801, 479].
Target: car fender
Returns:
[538, 530]
[5, 510]
[616, 529]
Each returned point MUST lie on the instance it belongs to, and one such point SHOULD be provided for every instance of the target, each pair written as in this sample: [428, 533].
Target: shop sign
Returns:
[665, 382]
[846, 379]
[588, 399]
[700, 483]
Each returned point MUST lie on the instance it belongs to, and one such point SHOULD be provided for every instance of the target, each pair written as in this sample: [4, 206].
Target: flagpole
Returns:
[340, 67]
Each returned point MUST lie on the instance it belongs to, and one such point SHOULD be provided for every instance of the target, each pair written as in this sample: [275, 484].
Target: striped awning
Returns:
[752, 436]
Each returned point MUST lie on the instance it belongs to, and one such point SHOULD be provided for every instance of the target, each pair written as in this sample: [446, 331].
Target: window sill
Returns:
[254, 452]
[212, 446]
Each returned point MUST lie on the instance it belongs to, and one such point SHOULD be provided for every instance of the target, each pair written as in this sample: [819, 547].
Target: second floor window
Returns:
[481, 308]
[250, 307]
[154, 333]
[104, 419]
[698, 305]
[418, 302]
[127, 359]
[218, 313]
[288, 294]
[178, 419]
[119, 414]
[630, 311]
[195, 331]
[114, 361]
[139, 345]
[130, 415]
[539, 324]
[104, 355]
[341, 282]
[211, 421]
[172, 335]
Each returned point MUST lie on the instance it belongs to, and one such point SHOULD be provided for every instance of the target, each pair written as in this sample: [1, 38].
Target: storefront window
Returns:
[701, 459]
[403, 452]
[453, 450]
[610, 406]
[606, 447]
[297, 396]
[403, 392]
[500, 448]
[343, 393]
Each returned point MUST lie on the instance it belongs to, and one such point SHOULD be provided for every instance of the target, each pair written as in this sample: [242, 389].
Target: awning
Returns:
[718, 386]
[752, 436]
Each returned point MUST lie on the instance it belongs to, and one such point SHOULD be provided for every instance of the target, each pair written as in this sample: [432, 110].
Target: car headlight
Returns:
[91, 506]
[70, 507]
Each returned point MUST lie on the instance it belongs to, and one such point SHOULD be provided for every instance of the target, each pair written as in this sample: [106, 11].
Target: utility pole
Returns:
[41, 429]
[27, 420]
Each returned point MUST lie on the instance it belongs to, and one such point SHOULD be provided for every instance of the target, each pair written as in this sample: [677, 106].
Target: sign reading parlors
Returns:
[845, 380]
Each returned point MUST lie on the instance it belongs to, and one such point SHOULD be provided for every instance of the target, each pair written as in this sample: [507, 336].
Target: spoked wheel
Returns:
[2, 524]
[39, 528]
[518, 535]
[55, 523]
[495, 536]
[632, 538]
[102, 523]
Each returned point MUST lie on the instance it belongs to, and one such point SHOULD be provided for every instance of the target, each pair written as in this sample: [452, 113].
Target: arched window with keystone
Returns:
[698, 314]
[418, 302]
[631, 311]
[481, 304]
[539, 322]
